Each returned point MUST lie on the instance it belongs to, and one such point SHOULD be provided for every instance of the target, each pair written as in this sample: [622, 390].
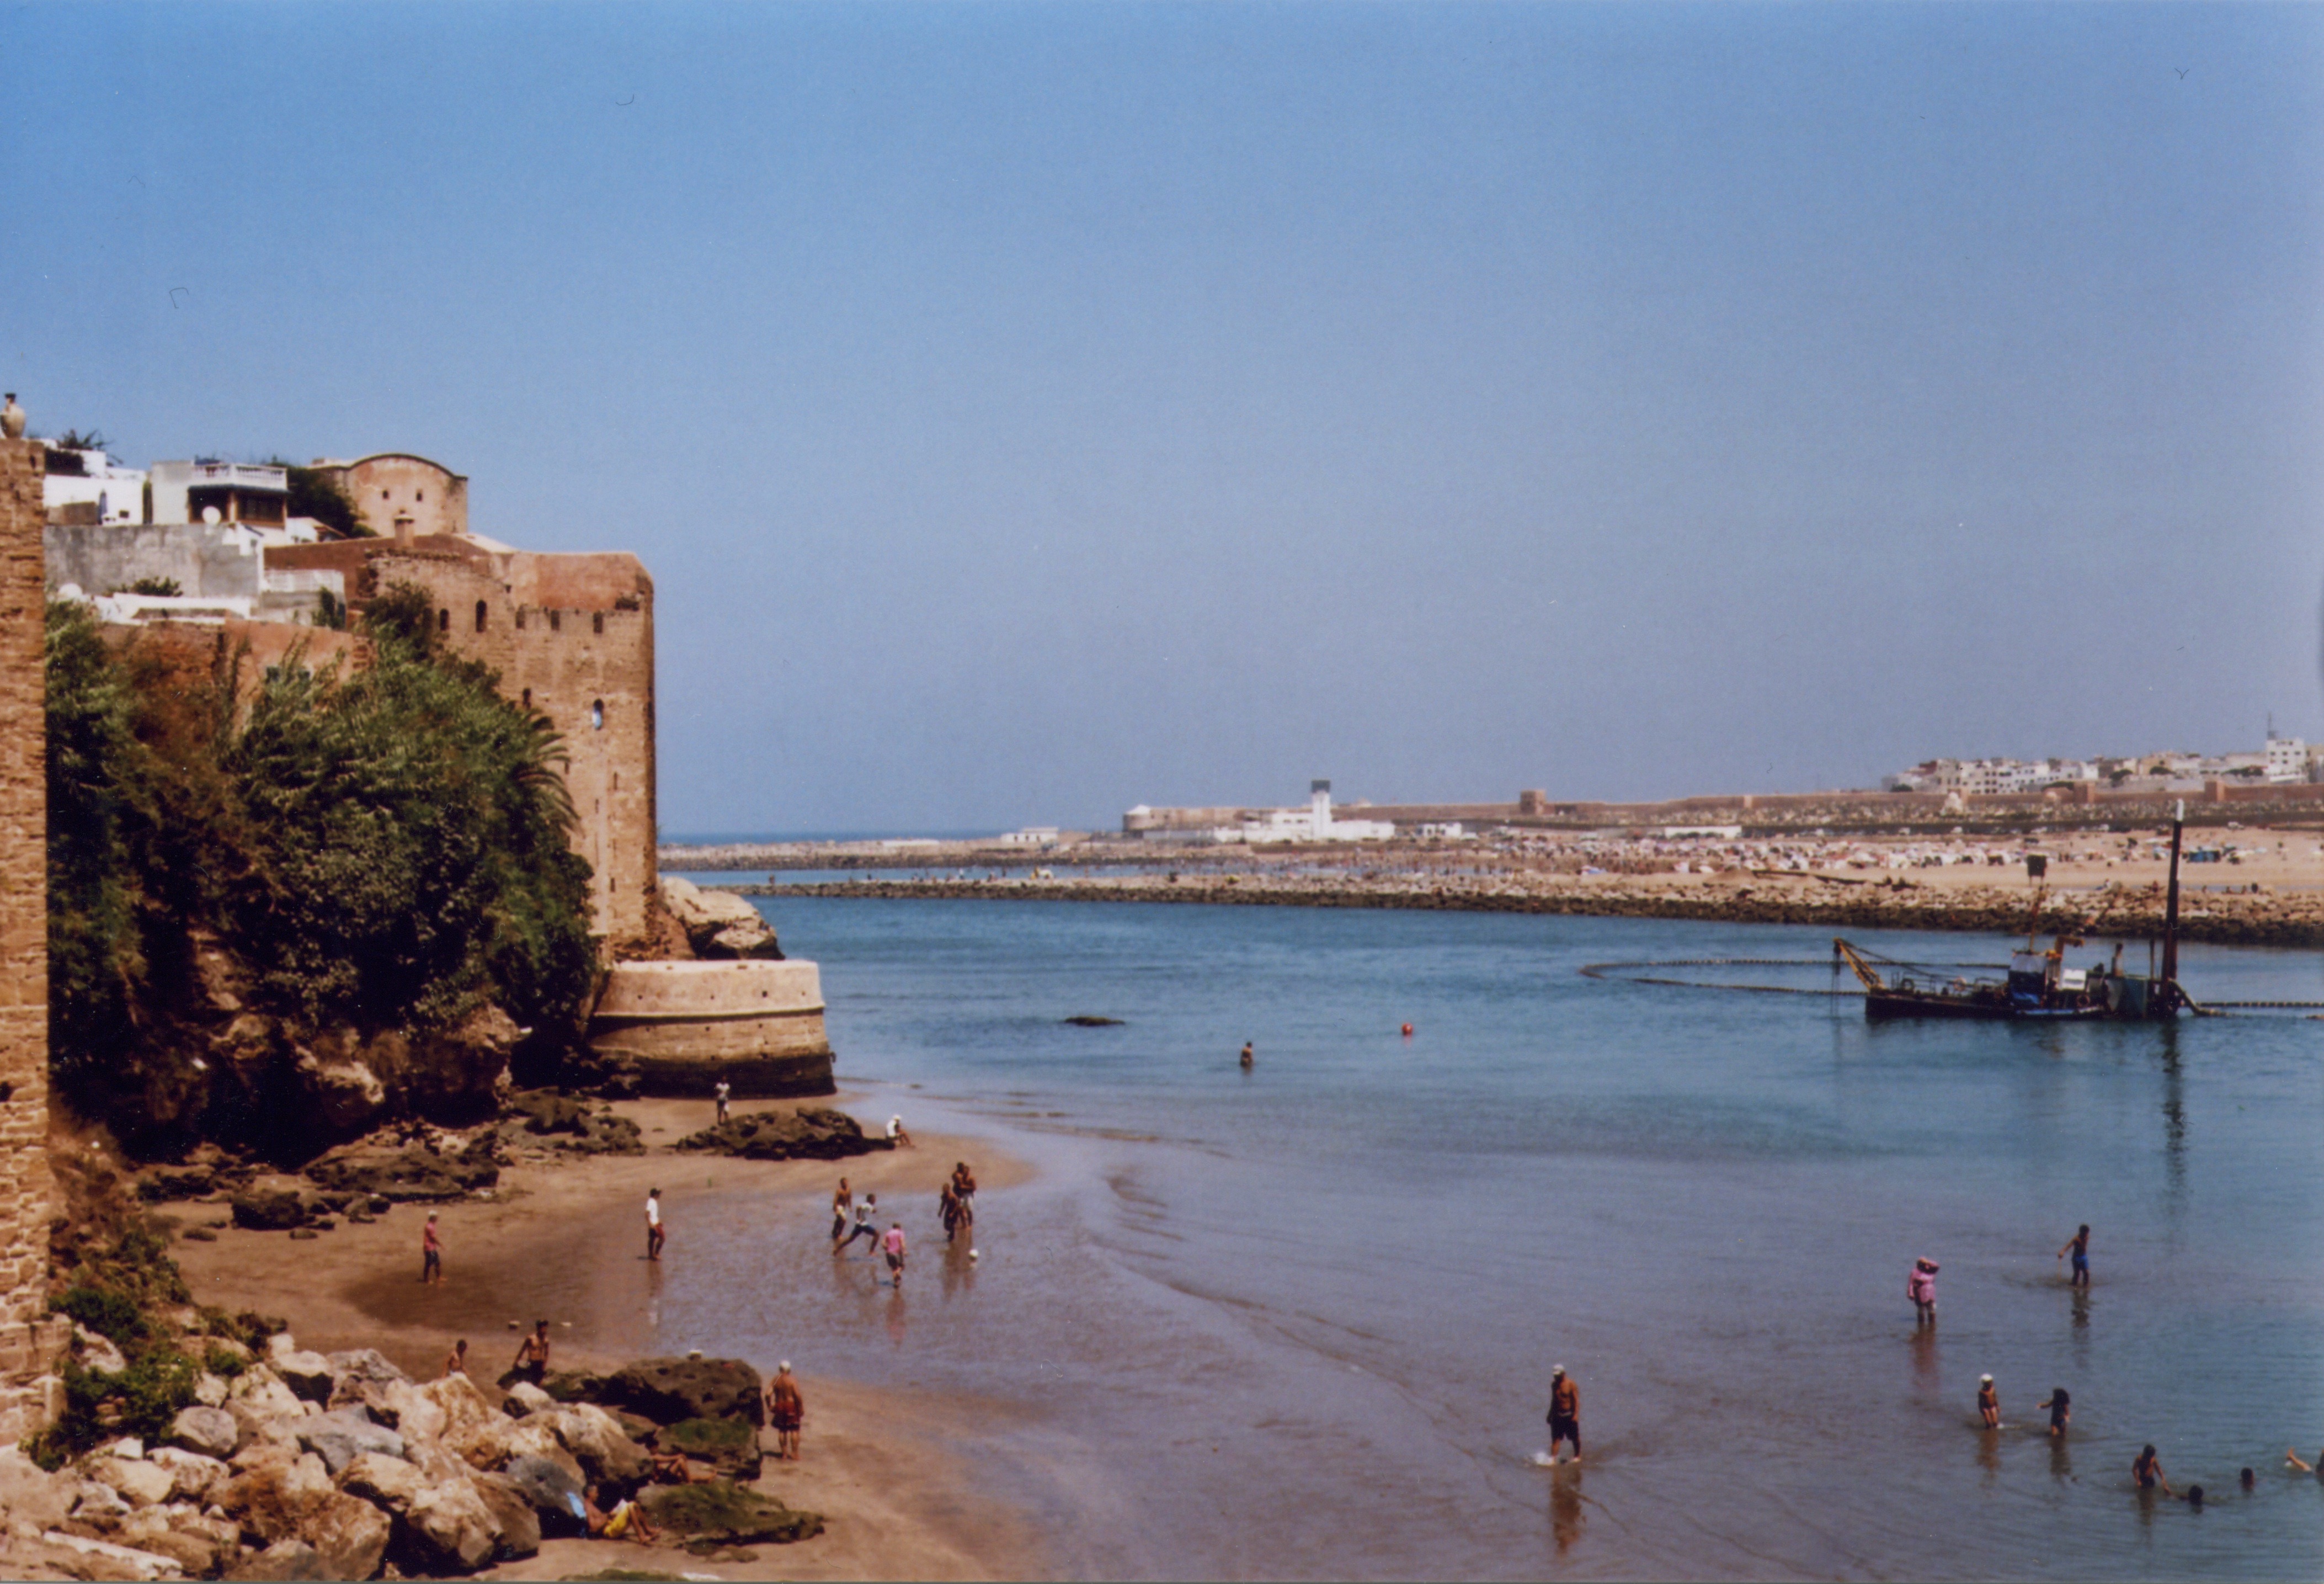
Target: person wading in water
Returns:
[1564, 1414]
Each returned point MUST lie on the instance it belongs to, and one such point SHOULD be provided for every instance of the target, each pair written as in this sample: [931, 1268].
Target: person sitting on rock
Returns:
[627, 1521]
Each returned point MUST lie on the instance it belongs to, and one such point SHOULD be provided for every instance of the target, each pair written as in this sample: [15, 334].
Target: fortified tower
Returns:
[30, 1339]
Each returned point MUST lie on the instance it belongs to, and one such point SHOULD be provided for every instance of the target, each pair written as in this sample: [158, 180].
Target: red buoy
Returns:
[1407, 1031]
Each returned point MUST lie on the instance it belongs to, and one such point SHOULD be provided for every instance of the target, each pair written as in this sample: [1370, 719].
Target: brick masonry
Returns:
[30, 1394]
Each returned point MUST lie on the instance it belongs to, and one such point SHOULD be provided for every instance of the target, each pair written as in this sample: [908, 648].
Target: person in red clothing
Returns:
[1564, 1412]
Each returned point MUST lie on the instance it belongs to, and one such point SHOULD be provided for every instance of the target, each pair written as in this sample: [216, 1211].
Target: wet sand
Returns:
[564, 1239]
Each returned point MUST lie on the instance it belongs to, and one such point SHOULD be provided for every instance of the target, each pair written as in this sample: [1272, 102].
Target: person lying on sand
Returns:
[627, 1521]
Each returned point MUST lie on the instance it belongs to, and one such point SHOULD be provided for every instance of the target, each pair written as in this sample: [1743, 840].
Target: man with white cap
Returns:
[785, 1409]
[1988, 1403]
[1564, 1412]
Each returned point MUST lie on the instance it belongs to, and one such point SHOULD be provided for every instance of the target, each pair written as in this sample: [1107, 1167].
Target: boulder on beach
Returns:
[553, 1489]
[818, 1134]
[728, 1448]
[269, 1209]
[211, 1431]
[721, 1512]
[669, 1390]
[570, 1124]
[404, 1174]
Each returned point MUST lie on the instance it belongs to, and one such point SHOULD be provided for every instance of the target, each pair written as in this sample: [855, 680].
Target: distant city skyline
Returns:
[1027, 412]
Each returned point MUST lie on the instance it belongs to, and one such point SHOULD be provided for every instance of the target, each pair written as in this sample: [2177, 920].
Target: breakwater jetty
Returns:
[2241, 917]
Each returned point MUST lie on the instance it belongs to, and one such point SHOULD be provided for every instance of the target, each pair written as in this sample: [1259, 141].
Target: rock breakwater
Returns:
[2293, 919]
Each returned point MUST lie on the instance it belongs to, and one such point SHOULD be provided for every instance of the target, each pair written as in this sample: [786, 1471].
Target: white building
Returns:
[2287, 759]
[1312, 823]
[235, 492]
[89, 487]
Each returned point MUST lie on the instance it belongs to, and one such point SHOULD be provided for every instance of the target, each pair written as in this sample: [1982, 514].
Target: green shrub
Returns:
[386, 847]
[99, 1405]
[115, 1316]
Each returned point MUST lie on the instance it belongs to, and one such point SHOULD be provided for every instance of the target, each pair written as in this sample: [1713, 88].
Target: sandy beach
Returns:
[562, 1238]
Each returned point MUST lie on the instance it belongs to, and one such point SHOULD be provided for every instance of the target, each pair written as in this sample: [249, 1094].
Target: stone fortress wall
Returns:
[30, 1339]
[571, 635]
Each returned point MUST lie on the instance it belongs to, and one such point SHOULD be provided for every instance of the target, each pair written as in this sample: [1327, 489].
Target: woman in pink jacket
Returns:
[1921, 1287]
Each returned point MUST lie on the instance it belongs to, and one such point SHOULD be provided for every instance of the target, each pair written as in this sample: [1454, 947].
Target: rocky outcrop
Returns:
[719, 1512]
[819, 1134]
[568, 1123]
[718, 923]
[436, 1479]
[415, 1172]
[728, 1448]
[670, 1390]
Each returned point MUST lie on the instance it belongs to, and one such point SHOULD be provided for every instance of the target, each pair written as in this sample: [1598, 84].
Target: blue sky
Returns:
[1030, 411]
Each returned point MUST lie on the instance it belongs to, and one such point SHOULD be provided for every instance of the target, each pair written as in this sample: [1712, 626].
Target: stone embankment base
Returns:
[685, 1026]
[2293, 920]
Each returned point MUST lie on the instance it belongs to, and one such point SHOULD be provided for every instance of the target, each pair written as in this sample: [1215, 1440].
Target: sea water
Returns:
[1298, 1321]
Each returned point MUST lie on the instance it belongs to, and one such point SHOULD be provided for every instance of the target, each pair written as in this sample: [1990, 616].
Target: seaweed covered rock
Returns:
[818, 1134]
[410, 1173]
[669, 1390]
[724, 1513]
[269, 1209]
[570, 1124]
[728, 1447]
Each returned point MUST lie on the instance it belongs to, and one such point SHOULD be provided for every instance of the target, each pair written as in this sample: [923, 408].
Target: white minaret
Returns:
[1319, 803]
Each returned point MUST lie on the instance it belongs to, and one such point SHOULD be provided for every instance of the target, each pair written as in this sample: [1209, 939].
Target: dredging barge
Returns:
[2039, 985]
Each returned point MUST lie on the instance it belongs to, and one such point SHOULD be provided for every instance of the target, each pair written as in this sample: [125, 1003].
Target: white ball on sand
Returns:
[1542, 1460]
[972, 1254]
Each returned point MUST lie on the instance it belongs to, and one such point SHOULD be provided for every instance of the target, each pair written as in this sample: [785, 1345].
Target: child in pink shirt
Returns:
[894, 1245]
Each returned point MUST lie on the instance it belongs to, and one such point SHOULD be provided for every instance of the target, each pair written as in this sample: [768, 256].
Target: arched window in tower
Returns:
[443, 621]
[480, 615]
[597, 621]
[596, 715]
